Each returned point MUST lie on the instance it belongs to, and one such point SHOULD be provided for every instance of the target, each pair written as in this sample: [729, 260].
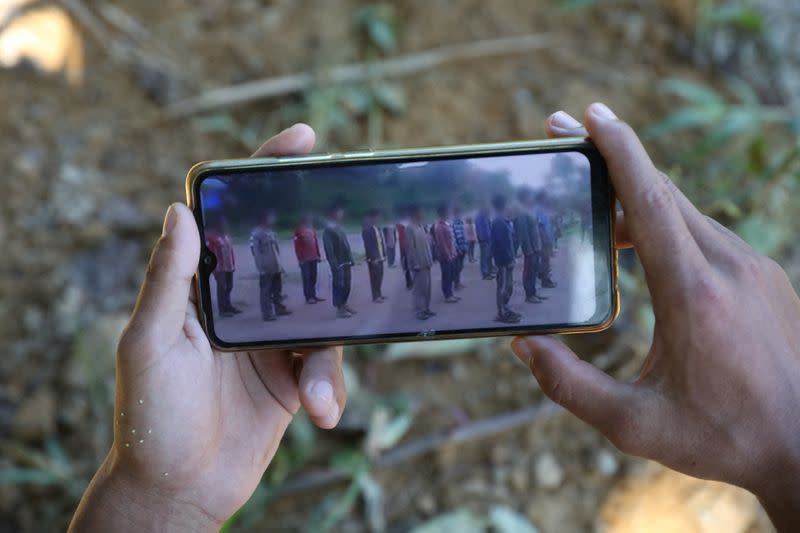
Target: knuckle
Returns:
[623, 129]
[134, 339]
[129, 340]
[751, 266]
[160, 255]
[558, 391]
[708, 293]
[657, 198]
[554, 388]
[773, 269]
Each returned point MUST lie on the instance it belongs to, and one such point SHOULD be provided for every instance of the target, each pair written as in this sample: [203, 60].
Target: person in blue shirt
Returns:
[502, 244]
[483, 230]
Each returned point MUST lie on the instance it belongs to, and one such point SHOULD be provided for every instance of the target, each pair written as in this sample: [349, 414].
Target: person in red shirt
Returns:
[446, 252]
[219, 243]
[306, 248]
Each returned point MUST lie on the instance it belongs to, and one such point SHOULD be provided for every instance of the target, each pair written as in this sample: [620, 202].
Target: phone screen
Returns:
[395, 249]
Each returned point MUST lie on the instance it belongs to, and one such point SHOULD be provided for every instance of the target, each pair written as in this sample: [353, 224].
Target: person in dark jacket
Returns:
[526, 229]
[461, 245]
[375, 250]
[502, 242]
[401, 226]
[483, 230]
[306, 248]
[340, 259]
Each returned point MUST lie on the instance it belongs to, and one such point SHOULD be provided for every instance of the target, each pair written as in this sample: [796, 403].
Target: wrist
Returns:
[117, 501]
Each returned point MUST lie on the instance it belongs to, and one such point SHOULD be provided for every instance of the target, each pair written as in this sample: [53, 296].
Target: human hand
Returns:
[194, 429]
[719, 394]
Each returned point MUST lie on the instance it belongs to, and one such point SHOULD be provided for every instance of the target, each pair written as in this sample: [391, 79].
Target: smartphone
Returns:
[400, 245]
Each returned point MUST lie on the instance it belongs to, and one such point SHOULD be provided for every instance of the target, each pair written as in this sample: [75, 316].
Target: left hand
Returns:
[195, 429]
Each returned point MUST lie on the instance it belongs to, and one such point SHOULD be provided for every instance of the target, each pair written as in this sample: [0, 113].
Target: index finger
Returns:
[295, 140]
[668, 251]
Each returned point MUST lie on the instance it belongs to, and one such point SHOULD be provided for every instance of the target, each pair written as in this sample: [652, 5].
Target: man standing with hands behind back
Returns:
[375, 250]
[266, 254]
[420, 261]
[306, 248]
[340, 259]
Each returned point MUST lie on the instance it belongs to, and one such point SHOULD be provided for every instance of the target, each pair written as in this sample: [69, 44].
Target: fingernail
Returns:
[564, 121]
[169, 221]
[322, 391]
[602, 111]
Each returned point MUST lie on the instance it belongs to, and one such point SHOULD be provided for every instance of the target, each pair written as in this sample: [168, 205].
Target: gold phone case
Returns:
[378, 156]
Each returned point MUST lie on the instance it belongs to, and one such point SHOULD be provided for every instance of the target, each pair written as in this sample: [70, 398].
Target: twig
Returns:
[356, 72]
[86, 18]
[471, 431]
[119, 50]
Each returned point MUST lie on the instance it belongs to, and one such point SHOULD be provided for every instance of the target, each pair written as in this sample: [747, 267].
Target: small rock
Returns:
[156, 83]
[500, 475]
[458, 371]
[520, 478]
[30, 162]
[606, 462]
[426, 504]
[475, 486]
[73, 194]
[36, 416]
[503, 390]
[500, 454]
[549, 474]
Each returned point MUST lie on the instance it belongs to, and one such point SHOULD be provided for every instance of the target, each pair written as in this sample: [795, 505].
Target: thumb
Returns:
[160, 311]
[589, 393]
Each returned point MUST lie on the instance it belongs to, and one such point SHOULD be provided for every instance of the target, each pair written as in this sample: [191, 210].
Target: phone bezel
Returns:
[603, 213]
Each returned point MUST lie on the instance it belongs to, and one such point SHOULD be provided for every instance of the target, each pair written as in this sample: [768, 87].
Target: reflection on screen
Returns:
[401, 248]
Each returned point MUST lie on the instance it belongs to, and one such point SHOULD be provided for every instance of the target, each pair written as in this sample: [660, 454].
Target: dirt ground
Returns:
[90, 167]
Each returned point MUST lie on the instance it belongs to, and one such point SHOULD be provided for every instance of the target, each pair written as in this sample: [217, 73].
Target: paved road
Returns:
[567, 303]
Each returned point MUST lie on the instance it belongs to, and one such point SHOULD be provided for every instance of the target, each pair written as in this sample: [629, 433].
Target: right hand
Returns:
[719, 394]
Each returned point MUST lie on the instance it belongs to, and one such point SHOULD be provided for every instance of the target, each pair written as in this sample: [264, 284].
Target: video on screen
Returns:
[406, 248]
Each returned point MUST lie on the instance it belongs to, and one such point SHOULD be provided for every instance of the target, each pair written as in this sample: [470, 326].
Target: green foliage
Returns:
[379, 24]
[224, 124]
[576, 4]
[721, 116]
[48, 468]
[339, 109]
[732, 14]
[746, 152]
[500, 519]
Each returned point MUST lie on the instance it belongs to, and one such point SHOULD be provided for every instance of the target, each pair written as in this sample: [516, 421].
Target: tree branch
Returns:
[355, 72]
